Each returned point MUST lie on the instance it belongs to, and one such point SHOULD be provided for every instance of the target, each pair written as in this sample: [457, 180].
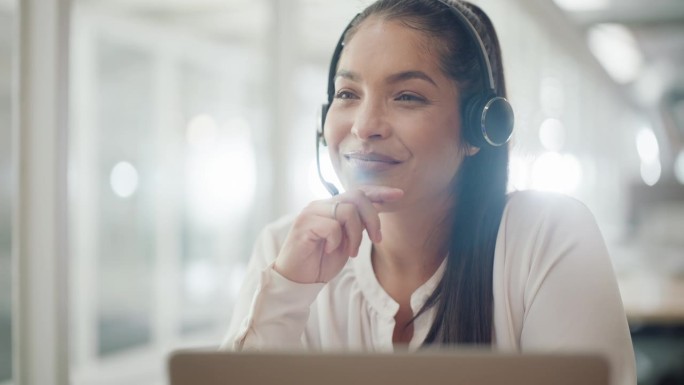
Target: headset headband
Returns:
[482, 56]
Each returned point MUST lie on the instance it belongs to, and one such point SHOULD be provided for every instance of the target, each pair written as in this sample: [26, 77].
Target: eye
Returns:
[344, 95]
[409, 97]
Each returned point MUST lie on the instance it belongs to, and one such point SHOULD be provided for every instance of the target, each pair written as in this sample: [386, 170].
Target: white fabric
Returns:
[554, 291]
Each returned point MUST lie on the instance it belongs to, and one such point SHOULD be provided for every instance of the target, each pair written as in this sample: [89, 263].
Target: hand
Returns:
[327, 232]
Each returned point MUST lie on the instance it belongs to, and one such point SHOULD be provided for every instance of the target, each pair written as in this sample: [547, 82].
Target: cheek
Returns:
[441, 166]
[443, 151]
[442, 148]
[440, 128]
[337, 127]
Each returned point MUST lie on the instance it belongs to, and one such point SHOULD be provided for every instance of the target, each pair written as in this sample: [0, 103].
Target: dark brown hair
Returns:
[464, 297]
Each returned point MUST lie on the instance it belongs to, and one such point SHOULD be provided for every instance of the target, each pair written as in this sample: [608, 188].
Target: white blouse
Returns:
[554, 291]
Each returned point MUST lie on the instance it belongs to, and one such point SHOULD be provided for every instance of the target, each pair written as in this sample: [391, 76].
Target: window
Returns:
[166, 150]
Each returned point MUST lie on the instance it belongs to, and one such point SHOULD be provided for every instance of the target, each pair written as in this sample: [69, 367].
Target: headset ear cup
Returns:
[489, 121]
[497, 121]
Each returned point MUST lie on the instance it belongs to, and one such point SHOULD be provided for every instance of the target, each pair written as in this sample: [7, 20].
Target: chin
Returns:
[356, 179]
[349, 186]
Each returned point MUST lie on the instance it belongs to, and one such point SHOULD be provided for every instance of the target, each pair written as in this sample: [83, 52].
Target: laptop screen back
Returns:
[434, 368]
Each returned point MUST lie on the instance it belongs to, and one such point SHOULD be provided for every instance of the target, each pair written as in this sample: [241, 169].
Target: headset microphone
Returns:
[319, 138]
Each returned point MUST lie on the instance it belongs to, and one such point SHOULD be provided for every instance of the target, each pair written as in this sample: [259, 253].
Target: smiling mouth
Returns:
[371, 157]
[371, 161]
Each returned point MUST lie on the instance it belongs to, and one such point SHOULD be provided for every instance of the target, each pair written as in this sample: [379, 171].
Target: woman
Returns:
[425, 247]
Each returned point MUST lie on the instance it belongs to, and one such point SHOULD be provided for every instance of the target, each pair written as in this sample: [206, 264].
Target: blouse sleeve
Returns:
[271, 312]
[571, 297]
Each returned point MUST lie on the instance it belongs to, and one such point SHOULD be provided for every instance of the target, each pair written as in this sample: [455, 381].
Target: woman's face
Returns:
[395, 120]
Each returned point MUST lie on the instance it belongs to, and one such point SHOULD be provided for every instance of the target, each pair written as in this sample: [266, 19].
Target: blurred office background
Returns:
[192, 126]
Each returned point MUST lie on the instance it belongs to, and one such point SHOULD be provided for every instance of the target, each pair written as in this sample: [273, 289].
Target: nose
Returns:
[370, 122]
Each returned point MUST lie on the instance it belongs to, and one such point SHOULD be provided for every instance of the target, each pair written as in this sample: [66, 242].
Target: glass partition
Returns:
[167, 151]
[125, 208]
[7, 52]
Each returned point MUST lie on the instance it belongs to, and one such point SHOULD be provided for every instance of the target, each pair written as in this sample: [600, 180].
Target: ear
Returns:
[472, 150]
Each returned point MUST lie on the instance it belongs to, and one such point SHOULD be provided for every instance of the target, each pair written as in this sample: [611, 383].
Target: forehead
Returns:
[389, 45]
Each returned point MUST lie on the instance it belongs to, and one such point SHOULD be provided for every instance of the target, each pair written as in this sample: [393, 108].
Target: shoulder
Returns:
[539, 225]
[539, 201]
[526, 209]
[549, 240]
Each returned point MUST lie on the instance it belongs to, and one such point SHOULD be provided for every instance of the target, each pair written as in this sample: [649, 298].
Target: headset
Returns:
[488, 118]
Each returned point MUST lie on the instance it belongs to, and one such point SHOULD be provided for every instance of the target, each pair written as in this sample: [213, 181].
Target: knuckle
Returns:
[311, 206]
[347, 210]
[358, 195]
[300, 220]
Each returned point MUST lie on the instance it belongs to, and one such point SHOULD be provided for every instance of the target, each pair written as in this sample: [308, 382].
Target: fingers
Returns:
[328, 230]
[363, 198]
[348, 217]
[343, 232]
[381, 194]
[353, 212]
[367, 213]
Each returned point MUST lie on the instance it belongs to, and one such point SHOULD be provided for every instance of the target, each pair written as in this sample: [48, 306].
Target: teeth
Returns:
[371, 159]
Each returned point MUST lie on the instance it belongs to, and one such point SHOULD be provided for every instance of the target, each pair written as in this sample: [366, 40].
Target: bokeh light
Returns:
[552, 134]
[679, 167]
[650, 172]
[647, 145]
[220, 169]
[202, 131]
[124, 179]
[553, 171]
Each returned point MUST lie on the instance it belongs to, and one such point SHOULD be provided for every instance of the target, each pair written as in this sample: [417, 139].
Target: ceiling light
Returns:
[617, 50]
[582, 5]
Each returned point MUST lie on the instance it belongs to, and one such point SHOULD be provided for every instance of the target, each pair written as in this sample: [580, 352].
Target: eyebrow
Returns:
[353, 76]
[395, 78]
[408, 75]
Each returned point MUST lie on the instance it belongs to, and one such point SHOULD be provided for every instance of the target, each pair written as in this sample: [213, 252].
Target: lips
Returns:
[370, 161]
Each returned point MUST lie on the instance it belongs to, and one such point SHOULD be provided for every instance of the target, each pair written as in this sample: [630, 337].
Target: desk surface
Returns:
[653, 299]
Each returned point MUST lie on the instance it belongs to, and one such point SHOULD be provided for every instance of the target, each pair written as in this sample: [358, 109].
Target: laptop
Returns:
[429, 367]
